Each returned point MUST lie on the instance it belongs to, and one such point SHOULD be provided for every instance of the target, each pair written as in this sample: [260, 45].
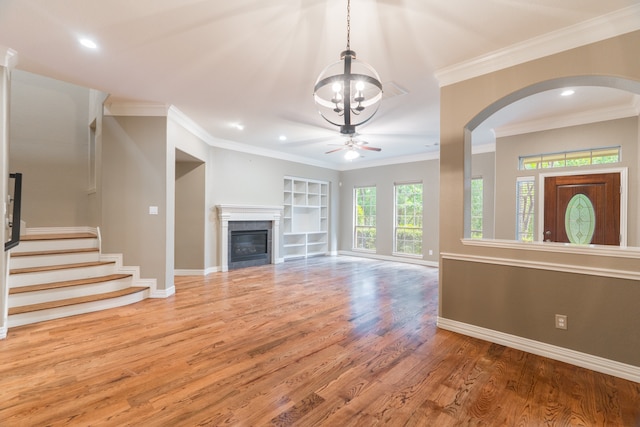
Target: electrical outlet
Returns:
[561, 321]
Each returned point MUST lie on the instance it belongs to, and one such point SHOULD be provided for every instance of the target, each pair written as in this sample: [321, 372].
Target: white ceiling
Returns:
[254, 62]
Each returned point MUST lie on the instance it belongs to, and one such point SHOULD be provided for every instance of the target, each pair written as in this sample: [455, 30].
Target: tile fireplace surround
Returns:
[228, 213]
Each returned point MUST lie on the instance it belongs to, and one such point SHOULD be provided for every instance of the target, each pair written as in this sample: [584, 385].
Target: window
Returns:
[596, 156]
[365, 218]
[408, 219]
[525, 199]
[477, 186]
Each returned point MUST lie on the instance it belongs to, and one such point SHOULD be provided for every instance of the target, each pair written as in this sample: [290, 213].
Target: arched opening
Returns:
[505, 206]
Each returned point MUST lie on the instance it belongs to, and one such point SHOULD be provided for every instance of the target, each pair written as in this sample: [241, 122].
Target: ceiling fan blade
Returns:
[370, 148]
[333, 151]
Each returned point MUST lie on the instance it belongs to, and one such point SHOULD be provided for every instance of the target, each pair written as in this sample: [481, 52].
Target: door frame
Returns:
[624, 189]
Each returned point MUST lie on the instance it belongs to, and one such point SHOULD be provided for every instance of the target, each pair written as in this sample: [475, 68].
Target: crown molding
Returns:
[8, 57]
[183, 120]
[591, 31]
[582, 118]
[118, 107]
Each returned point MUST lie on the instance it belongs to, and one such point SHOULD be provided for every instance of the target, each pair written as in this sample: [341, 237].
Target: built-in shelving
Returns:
[306, 217]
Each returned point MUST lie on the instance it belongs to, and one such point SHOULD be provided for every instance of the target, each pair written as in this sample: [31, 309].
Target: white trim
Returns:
[405, 260]
[8, 57]
[60, 230]
[211, 270]
[591, 31]
[162, 293]
[3, 332]
[566, 268]
[577, 119]
[183, 120]
[136, 109]
[187, 272]
[576, 358]
[624, 190]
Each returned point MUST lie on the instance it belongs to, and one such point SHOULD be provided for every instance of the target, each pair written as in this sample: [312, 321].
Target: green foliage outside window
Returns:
[579, 158]
[365, 218]
[525, 193]
[477, 186]
[408, 227]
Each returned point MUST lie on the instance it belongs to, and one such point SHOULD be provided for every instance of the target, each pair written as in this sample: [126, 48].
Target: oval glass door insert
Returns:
[580, 220]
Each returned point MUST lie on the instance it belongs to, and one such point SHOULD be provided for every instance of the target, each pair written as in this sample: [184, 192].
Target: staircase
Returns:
[58, 273]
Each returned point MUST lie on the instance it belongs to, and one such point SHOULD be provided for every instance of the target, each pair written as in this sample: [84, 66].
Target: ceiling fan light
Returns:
[351, 154]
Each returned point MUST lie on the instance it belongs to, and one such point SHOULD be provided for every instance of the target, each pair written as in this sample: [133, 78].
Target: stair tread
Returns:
[67, 283]
[73, 301]
[59, 267]
[58, 236]
[53, 252]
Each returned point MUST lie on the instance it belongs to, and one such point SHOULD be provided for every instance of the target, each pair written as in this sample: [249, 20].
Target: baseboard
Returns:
[162, 293]
[3, 332]
[390, 258]
[595, 363]
[186, 272]
[60, 230]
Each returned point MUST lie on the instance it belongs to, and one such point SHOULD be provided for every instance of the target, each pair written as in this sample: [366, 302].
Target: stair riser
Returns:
[27, 279]
[57, 313]
[28, 298]
[52, 245]
[52, 259]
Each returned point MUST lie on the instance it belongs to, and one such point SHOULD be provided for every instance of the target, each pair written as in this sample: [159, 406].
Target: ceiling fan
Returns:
[352, 146]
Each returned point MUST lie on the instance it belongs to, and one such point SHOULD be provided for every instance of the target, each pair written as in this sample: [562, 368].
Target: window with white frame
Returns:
[408, 219]
[477, 205]
[525, 209]
[364, 233]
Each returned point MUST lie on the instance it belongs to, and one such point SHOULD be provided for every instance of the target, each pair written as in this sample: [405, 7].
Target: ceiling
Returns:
[254, 63]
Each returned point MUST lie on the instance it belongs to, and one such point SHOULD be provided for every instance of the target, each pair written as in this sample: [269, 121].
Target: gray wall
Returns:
[190, 216]
[134, 171]
[623, 132]
[470, 274]
[383, 178]
[49, 134]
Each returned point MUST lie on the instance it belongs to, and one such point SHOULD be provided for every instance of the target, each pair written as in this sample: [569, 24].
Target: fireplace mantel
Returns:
[228, 213]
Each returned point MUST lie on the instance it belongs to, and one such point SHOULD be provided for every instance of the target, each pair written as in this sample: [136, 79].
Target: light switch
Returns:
[153, 210]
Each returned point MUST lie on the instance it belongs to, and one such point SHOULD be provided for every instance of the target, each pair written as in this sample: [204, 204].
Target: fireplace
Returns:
[249, 244]
[246, 225]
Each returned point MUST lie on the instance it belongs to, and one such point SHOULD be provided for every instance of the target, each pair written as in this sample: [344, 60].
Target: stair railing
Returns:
[14, 222]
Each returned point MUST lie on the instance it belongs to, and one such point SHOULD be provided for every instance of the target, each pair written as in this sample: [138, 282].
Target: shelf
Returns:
[305, 221]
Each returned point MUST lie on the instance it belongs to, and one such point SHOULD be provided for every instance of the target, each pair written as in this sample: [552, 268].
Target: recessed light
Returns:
[237, 126]
[88, 43]
[282, 138]
[568, 92]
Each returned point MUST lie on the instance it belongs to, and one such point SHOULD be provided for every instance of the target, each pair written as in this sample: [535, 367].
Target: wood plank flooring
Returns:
[321, 342]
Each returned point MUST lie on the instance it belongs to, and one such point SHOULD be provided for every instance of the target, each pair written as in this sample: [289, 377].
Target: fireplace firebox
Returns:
[249, 243]
[246, 245]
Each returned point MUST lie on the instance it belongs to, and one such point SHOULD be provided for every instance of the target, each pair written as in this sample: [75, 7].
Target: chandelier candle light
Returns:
[348, 92]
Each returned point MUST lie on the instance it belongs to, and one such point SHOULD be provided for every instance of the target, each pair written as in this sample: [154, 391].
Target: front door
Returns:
[582, 209]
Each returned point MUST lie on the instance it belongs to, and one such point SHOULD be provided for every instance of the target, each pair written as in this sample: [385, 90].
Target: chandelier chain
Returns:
[348, 24]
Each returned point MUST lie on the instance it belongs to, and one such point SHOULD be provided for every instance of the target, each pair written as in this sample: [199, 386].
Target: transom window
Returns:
[596, 156]
[364, 233]
[408, 219]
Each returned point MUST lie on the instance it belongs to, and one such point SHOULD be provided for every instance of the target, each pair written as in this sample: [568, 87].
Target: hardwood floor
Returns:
[319, 342]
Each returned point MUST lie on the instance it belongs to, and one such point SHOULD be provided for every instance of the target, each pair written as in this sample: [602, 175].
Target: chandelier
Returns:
[348, 92]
